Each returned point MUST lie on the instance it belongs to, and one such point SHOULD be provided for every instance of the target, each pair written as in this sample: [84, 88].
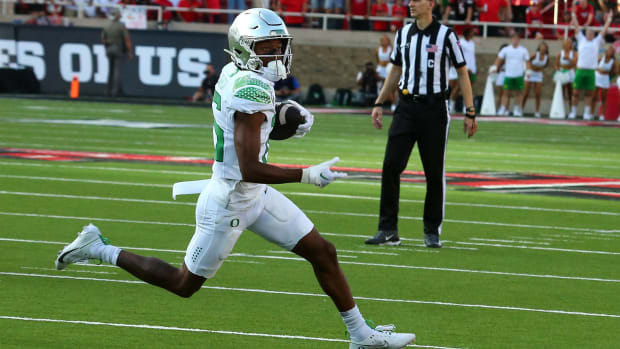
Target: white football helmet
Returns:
[251, 26]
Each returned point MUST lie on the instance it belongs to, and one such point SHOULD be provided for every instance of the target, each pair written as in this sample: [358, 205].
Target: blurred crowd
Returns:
[357, 13]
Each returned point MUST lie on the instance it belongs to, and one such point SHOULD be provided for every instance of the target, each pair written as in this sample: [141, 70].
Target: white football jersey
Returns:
[247, 92]
[469, 51]
[514, 60]
[588, 51]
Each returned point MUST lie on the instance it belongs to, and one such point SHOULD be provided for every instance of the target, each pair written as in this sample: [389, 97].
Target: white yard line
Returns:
[105, 149]
[190, 153]
[78, 180]
[369, 252]
[400, 266]
[397, 266]
[549, 185]
[287, 252]
[206, 173]
[79, 131]
[178, 144]
[293, 193]
[539, 248]
[93, 219]
[329, 213]
[170, 328]
[526, 238]
[467, 204]
[401, 247]
[594, 157]
[72, 270]
[169, 185]
[573, 238]
[537, 164]
[238, 261]
[183, 329]
[65, 243]
[374, 215]
[305, 294]
[102, 198]
[511, 241]
[354, 214]
[73, 110]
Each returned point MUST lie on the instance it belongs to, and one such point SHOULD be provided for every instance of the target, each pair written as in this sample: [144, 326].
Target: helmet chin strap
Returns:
[274, 71]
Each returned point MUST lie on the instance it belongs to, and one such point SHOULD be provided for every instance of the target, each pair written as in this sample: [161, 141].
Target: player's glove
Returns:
[320, 175]
[308, 117]
[493, 69]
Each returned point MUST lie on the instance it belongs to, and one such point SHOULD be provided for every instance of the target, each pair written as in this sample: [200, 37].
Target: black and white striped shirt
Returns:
[423, 56]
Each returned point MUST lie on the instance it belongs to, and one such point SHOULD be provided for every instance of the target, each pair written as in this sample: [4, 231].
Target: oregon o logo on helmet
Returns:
[234, 222]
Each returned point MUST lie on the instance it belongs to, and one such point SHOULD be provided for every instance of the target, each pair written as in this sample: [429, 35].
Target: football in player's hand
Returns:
[288, 118]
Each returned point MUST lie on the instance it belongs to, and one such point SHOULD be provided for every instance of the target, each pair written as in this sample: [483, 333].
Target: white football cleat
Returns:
[383, 337]
[572, 116]
[78, 250]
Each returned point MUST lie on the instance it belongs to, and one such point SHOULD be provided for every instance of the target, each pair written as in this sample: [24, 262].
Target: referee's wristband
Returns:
[377, 105]
[470, 112]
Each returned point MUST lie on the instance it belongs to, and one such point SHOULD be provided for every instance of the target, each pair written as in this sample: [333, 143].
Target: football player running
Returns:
[237, 196]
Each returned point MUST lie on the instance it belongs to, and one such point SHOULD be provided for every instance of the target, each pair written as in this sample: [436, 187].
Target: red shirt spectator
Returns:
[565, 20]
[293, 6]
[399, 11]
[190, 16]
[380, 9]
[584, 13]
[533, 16]
[213, 16]
[359, 7]
[489, 9]
[166, 16]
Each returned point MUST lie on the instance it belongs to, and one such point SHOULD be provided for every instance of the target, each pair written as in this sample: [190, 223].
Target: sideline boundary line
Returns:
[61, 179]
[184, 329]
[400, 266]
[389, 300]
[353, 214]
[340, 196]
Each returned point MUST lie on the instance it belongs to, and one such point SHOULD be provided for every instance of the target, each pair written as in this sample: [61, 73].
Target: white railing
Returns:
[323, 16]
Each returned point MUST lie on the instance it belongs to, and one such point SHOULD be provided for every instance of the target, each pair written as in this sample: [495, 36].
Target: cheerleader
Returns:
[468, 46]
[565, 62]
[499, 83]
[383, 53]
[606, 66]
[453, 83]
[534, 75]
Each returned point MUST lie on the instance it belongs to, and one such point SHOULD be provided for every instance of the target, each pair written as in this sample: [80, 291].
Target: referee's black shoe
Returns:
[385, 237]
[432, 241]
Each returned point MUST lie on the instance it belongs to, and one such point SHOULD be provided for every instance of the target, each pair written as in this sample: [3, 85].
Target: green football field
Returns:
[524, 264]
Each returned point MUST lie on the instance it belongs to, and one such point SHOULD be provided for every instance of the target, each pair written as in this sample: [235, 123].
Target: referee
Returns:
[423, 51]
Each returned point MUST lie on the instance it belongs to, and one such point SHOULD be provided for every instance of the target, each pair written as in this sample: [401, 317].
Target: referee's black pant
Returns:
[427, 124]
